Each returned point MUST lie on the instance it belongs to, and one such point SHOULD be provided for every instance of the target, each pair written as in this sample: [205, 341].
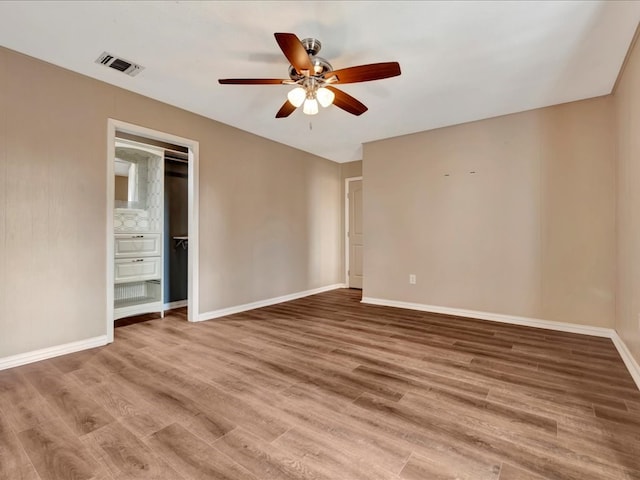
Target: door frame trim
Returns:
[346, 227]
[193, 208]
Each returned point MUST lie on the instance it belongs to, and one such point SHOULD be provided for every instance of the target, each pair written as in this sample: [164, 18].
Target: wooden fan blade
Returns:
[347, 102]
[285, 110]
[365, 73]
[251, 81]
[295, 52]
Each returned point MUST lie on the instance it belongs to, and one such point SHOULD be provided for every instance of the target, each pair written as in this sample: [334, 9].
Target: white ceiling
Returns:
[460, 61]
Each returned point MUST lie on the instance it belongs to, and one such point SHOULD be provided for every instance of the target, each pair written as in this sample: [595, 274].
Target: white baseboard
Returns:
[627, 358]
[625, 354]
[50, 352]
[265, 303]
[496, 317]
[176, 304]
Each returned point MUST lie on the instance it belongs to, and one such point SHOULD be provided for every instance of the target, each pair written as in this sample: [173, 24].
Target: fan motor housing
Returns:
[321, 66]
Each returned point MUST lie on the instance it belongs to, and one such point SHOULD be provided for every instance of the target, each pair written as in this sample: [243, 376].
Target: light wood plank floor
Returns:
[325, 388]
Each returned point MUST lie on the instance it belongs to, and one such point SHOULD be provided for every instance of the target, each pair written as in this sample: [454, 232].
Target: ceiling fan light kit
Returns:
[325, 96]
[297, 96]
[310, 106]
[314, 77]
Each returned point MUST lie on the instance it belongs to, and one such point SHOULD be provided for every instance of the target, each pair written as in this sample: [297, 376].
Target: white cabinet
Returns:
[127, 245]
[137, 269]
[138, 220]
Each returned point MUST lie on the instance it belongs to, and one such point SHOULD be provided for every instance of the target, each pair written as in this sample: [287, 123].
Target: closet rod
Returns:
[173, 159]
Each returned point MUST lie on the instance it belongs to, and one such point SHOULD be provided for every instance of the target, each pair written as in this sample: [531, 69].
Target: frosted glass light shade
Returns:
[296, 96]
[310, 106]
[325, 96]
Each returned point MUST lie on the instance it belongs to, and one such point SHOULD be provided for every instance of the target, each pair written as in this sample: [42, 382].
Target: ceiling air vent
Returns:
[120, 64]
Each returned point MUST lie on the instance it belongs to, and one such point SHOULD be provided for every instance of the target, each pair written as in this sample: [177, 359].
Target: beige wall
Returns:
[350, 169]
[269, 214]
[627, 108]
[531, 233]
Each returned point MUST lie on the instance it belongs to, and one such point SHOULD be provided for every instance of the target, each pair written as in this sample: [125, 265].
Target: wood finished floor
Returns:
[325, 388]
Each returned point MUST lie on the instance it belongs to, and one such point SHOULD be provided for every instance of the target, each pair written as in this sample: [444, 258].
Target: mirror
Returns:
[131, 172]
[125, 184]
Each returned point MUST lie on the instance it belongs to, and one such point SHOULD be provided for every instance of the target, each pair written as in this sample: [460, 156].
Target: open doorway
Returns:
[137, 262]
[354, 234]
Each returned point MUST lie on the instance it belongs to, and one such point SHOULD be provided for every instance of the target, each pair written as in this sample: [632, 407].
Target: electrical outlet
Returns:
[412, 279]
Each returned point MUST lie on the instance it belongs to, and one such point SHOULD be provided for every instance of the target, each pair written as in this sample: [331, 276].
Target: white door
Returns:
[355, 233]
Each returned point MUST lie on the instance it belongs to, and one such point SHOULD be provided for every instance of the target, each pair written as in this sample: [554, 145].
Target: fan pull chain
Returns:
[310, 126]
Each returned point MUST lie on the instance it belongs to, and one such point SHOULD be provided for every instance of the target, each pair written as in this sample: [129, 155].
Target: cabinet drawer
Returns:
[137, 269]
[137, 245]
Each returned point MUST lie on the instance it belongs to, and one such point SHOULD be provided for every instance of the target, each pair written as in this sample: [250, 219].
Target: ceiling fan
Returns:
[314, 78]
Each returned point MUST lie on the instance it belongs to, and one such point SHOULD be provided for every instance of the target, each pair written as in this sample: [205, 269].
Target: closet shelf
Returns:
[130, 302]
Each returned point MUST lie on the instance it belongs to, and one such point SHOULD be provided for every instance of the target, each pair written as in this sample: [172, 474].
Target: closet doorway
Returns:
[177, 225]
